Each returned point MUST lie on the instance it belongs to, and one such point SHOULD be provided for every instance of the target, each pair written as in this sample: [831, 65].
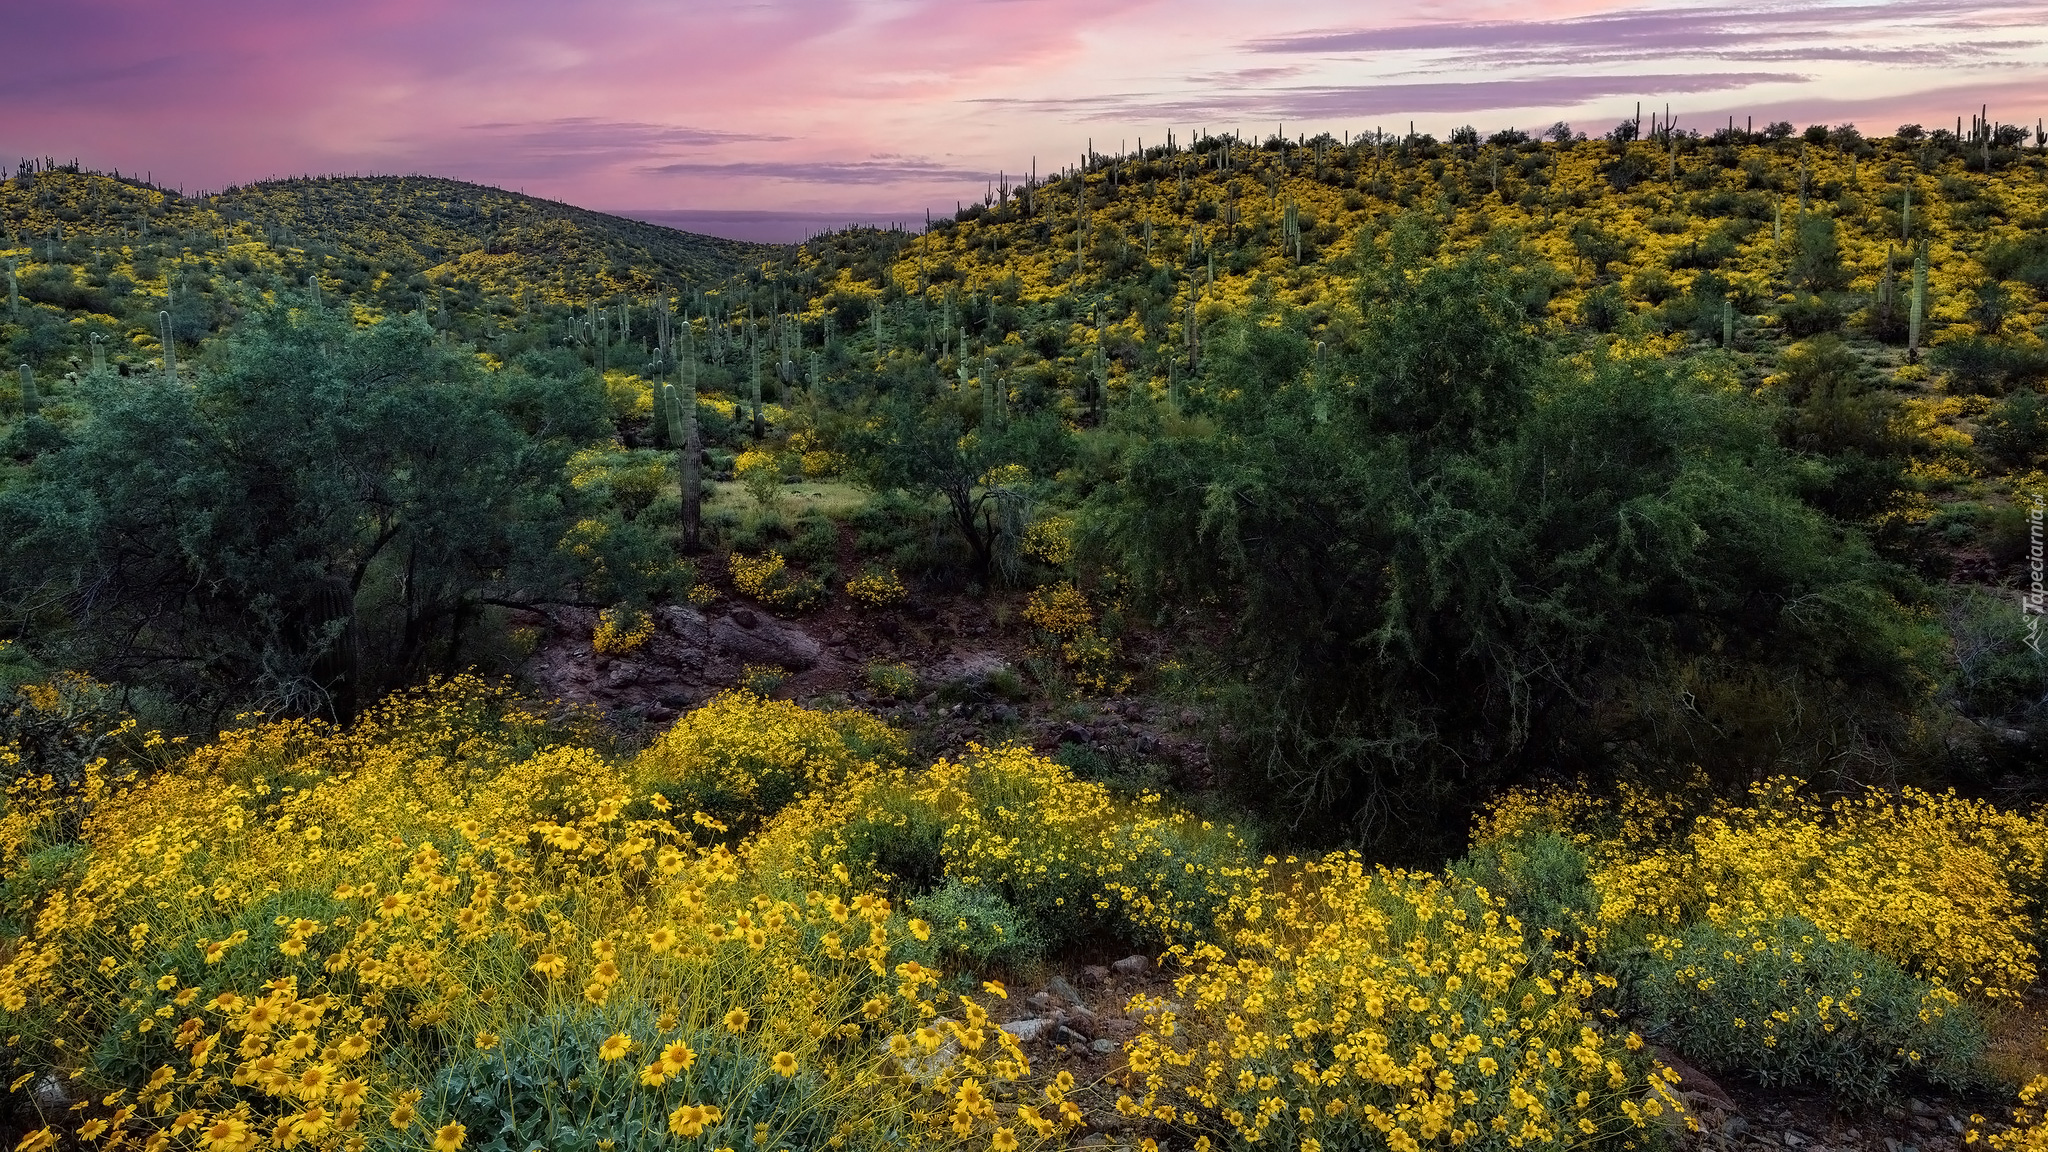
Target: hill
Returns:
[381, 239]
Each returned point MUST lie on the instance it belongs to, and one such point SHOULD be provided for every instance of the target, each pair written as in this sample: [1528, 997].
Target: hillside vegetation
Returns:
[1558, 608]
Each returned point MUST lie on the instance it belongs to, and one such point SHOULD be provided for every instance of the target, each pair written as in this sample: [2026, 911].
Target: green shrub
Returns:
[1787, 1003]
[543, 1085]
[897, 681]
[1545, 880]
[1808, 315]
[974, 928]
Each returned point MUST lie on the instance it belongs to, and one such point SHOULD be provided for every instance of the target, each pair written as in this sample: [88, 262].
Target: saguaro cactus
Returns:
[31, 403]
[170, 344]
[1919, 309]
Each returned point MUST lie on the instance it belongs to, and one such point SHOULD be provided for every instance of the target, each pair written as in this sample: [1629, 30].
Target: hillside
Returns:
[90, 243]
[1489, 644]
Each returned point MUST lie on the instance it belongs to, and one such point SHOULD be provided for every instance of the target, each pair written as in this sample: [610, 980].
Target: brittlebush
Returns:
[1944, 886]
[460, 918]
[1352, 1007]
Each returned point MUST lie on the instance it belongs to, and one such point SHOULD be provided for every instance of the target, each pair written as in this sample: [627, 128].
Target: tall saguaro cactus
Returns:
[170, 344]
[31, 402]
[691, 444]
[1919, 310]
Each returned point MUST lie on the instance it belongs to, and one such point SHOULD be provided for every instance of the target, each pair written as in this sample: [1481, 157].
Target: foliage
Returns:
[620, 631]
[317, 517]
[1067, 855]
[1787, 1002]
[459, 920]
[1437, 551]
[896, 681]
[742, 757]
[876, 587]
[768, 580]
[1351, 1008]
[1943, 886]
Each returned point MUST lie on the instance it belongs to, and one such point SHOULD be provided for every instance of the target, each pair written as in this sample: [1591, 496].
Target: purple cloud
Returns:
[879, 170]
[1448, 96]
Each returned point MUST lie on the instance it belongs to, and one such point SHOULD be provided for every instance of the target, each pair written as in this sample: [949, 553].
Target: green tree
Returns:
[1441, 551]
[317, 514]
[915, 441]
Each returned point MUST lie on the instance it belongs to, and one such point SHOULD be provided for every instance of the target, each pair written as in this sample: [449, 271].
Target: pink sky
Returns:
[830, 110]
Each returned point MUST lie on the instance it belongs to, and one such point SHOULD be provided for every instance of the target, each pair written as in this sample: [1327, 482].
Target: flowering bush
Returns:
[1349, 1008]
[1065, 853]
[742, 757]
[876, 587]
[768, 579]
[1789, 1003]
[1050, 540]
[1060, 609]
[621, 630]
[459, 923]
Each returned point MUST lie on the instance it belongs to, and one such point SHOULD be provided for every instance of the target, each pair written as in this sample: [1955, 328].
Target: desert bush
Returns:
[1789, 1003]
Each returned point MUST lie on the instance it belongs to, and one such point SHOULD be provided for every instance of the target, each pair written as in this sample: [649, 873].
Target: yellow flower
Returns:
[551, 964]
[402, 1117]
[449, 1138]
[615, 1046]
[737, 1020]
[784, 1063]
[921, 930]
[92, 1129]
[677, 1057]
[1004, 1140]
[485, 1041]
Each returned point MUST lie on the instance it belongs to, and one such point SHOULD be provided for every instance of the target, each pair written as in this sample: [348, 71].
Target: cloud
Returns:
[1447, 96]
[593, 136]
[1662, 32]
[879, 170]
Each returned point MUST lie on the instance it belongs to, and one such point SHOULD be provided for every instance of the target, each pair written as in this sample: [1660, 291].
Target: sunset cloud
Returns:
[815, 109]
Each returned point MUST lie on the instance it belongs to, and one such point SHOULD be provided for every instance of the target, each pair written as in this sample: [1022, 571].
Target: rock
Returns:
[1103, 1047]
[1133, 965]
[889, 628]
[1919, 1107]
[1074, 734]
[1094, 974]
[1694, 1086]
[1795, 1139]
[1027, 1030]
[1735, 1128]
[744, 618]
[49, 1092]
[1955, 1125]
[1059, 987]
[766, 641]
[1067, 1035]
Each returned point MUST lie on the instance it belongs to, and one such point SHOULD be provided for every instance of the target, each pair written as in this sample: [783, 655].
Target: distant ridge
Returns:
[767, 226]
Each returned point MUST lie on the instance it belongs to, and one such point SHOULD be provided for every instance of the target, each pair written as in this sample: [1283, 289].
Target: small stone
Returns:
[1955, 1125]
[1058, 986]
[1102, 1047]
[1919, 1107]
[1067, 1035]
[744, 618]
[1027, 1030]
[1094, 974]
[1735, 1128]
[1133, 965]
[1891, 1145]
[1794, 1139]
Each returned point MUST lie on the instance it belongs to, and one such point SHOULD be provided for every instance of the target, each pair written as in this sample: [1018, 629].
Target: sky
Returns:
[777, 118]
